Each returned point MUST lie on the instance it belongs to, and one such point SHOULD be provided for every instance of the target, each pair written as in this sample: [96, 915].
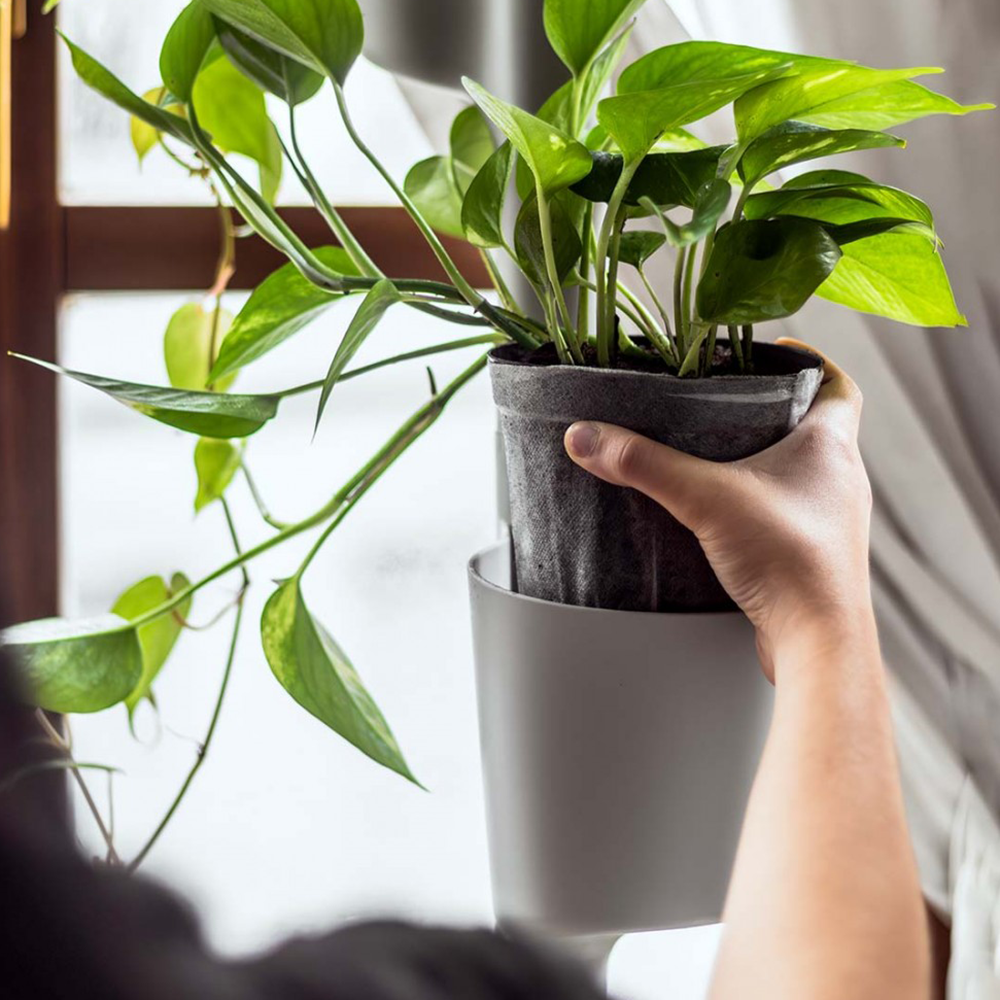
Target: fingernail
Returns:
[581, 439]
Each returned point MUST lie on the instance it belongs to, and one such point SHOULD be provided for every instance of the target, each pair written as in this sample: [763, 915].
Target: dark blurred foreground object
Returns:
[70, 930]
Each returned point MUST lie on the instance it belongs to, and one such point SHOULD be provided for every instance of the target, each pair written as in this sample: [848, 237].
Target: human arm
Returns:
[824, 899]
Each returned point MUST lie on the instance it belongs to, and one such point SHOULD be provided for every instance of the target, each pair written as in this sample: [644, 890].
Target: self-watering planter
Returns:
[618, 753]
[581, 541]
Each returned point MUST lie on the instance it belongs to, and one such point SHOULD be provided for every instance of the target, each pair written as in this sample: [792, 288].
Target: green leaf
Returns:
[693, 61]
[667, 179]
[896, 275]
[374, 306]
[761, 270]
[555, 159]
[314, 670]
[431, 186]
[637, 120]
[271, 71]
[712, 201]
[325, 35]
[806, 94]
[231, 109]
[530, 250]
[158, 637]
[887, 106]
[471, 145]
[108, 85]
[209, 414]
[638, 245]
[597, 78]
[76, 666]
[851, 232]
[796, 142]
[187, 346]
[839, 197]
[578, 35]
[144, 136]
[184, 49]
[215, 462]
[281, 305]
[482, 208]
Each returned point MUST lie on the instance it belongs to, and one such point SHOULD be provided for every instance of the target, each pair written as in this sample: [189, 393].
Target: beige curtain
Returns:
[931, 430]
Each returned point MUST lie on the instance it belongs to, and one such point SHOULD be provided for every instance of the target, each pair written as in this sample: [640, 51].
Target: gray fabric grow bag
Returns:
[580, 541]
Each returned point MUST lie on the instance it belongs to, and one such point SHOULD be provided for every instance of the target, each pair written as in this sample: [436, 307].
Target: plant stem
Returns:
[583, 303]
[355, 250]
[649, 326]
[423, 352]
[207, 741]
[661, 309]
[748, 346]
[734, 343]
[689, 317]
[605, 313]
[64, 747]
[451, 269]
[255, 493]
[497, 278]
[680, 318]
[545, 225]
[331, 507]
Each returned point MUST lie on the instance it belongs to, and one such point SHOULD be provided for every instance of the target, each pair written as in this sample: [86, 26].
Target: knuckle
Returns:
[632, 457]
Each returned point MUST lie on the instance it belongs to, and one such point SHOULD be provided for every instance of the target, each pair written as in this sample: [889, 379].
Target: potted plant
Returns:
[606, 756]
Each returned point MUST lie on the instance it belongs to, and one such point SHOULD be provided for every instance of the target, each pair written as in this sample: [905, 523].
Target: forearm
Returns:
[825, 899]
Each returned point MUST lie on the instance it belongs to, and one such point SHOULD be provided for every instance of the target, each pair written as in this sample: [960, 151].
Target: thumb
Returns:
[681, 483]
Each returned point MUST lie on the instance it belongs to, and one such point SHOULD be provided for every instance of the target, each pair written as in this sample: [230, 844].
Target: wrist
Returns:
[845, 633]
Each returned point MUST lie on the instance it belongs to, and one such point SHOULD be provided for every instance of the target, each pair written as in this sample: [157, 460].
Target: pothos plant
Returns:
[601, 185]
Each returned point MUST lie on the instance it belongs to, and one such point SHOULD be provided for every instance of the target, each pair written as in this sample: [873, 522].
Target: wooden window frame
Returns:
[52, 249]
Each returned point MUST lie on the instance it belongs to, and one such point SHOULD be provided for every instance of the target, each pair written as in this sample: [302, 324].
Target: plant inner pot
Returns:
[581, 541]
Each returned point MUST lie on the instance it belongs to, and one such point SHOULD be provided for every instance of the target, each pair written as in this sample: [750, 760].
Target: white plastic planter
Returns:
[618, 753]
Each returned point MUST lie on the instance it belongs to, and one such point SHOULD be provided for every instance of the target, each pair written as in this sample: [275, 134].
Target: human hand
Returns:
[786, 530]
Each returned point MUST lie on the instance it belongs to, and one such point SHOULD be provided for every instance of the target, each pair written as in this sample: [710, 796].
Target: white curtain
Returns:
[931, 430]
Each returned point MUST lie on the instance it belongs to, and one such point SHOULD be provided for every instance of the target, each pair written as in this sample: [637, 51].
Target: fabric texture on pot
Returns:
[581, 541]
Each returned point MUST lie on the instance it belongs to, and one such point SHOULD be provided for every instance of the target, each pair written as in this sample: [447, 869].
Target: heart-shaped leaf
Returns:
[687, 62]
[635, 121]
[761, 270]
[314, 670]
[471, 144]
[796, 142]
[230, 107]
[431, 186]
[638, 245]
[482, 208]
[76, 666]
[281, 305]
[108, 85]
[188, 344]
[215, 463]
[578, 35]
[887, 106]
[374, 306]
[184, 49]
[271, 71]
[839, 197]
[208, 414]
[805, 94]
[325, 35]
[158, 637]
[897, 275]
[530, 249]
[555, 159]
[667, 179]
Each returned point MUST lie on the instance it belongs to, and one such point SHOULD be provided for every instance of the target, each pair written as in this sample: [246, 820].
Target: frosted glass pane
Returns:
[98, 165]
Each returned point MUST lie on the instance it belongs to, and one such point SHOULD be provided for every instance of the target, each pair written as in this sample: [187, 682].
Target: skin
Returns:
[825, 900]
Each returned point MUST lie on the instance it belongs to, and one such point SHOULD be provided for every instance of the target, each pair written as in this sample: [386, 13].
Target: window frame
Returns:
[51, 249]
